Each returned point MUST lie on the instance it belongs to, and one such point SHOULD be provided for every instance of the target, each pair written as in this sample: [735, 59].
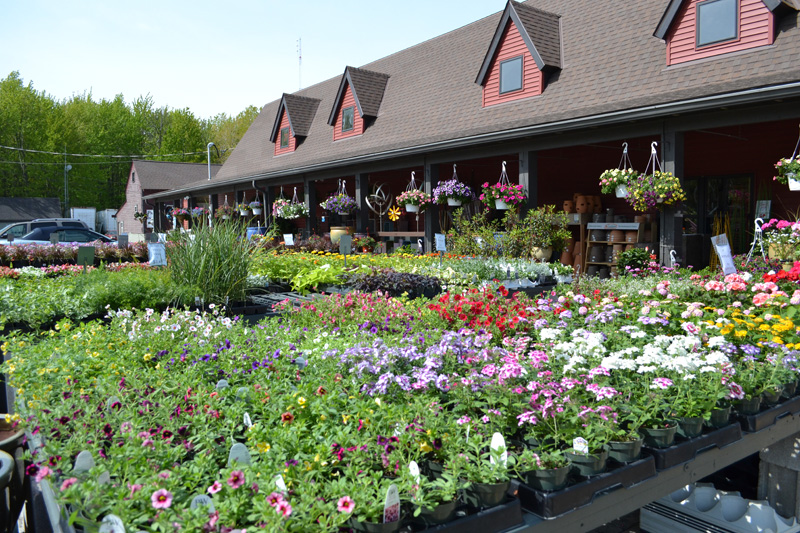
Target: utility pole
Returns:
[300, 63]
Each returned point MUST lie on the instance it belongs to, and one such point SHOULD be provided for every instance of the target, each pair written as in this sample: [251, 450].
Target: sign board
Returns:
[157, 254]
[763, 207]
[723, 249]
[346, 244]
[54, 238]
[441, 243]
[149, 219]
[288, 239]
[391, 505]
[122, 240]
[85, 256]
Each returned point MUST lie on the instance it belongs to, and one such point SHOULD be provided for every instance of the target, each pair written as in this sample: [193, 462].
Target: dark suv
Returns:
[19, 229]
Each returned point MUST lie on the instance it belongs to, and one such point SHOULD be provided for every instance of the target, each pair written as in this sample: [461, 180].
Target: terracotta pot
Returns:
[567, 258]
[630, 236]
[568, 206]
[629, 247]
[640, 219]
[590, 203]
[617, 235]
[598, 204]
[648, 235]
[575, 197]
[578, 248]
[582, 204]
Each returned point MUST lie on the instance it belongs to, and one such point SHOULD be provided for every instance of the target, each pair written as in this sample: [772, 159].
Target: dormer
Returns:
[525, 47]
[292, 123]
[357, 102]
[697, 29]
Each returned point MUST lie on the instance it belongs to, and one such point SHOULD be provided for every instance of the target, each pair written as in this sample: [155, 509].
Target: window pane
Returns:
[347, 119]
[511, 75]
[284, 137]
[716, 21]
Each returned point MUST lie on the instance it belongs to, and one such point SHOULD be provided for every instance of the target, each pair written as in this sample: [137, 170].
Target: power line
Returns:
[27, 150]
[61, 164]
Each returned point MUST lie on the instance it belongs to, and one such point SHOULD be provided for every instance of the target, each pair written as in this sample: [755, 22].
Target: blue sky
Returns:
[212, 57]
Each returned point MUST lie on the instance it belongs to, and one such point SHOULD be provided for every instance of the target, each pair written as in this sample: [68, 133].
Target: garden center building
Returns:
[554, 88]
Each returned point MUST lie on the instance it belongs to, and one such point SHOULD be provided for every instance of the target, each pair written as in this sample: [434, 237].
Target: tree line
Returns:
[32, 120]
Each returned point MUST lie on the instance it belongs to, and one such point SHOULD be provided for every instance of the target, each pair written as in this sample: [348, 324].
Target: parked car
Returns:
[65, 235]
[18, 229]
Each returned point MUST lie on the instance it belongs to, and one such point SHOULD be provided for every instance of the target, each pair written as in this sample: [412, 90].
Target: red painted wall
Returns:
[756, 28]
[284, 124]
[512, 45]
[358, 122]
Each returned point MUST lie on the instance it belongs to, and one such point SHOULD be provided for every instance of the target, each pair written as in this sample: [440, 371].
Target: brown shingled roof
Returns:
[544, 30]
[368, 88]
[301, 111]
[164, 175]
[612, 64]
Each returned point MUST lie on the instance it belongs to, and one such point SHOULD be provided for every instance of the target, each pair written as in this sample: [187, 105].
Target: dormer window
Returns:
[511, 75]
[348, 118]
[285, 134]
[717, 21]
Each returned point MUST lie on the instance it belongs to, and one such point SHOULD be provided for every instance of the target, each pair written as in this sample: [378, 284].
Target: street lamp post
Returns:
[67, 168]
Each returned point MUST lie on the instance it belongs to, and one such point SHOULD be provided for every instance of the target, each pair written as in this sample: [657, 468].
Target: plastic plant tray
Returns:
[501, 517]
[764, 419]
[552, 504]
[687, 450]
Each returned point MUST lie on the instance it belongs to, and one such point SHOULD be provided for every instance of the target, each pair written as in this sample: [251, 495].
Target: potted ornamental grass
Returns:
[617, 180]
[414, 201]
[452, 192]
[502, 195]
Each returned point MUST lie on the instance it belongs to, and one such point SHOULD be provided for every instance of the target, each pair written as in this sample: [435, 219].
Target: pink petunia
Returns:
[345, 504]
[214, 488]
[43, 472]
[274, 498]
[236, 480]
[283, 508]
[68, 483]
[161, 499]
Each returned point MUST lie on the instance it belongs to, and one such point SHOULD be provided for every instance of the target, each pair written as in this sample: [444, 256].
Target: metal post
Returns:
[432, 213]
[67, 168]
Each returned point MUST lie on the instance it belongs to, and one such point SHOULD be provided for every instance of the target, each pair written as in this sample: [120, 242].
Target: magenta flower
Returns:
[161, 499]
[134, 489]
[68, 483]
[215, 487]
[43, 472]
[236, 480]
[345, 504]
[274, 498]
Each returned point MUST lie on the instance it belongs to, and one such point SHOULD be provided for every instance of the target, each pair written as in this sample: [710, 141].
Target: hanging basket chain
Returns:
[625, 160]
[412, 186]
[653, 161]
[504, 177]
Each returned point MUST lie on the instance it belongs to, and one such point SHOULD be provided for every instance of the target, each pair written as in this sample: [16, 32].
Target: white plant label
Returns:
[391, 506]
[288, 239]
[280, 483]
[112, 524]
[413, 467]
[247, 421]
[441, 245]
[499, 443]
[580, 445]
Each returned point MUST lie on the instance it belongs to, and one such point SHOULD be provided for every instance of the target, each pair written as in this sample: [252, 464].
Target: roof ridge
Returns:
[367, 71]
[529, 7]
[174, 162]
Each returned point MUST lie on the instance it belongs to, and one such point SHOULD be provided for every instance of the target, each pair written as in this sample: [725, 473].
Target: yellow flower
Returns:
[394, 213]
[301, 400]
[147, 357]
[741, 333]
[263, 447]
[425, 447]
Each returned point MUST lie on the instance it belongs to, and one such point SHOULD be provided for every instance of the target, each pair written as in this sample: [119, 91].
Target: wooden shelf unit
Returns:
[609, 226]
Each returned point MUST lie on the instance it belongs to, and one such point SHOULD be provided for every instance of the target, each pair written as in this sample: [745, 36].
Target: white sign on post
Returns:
[441, 243]
[288, 239]
[157, 254]
[723, 249]
[391, 506]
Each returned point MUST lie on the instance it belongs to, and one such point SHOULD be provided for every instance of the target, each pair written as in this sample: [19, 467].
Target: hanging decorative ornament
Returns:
[394, 214]
[379, 202]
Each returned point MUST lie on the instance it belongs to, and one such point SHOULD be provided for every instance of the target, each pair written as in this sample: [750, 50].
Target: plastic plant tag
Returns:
[157, 254]
[346, 244]
[112, 524]
[441, 243]
[84, 462]
[247, 421]
[280, 483]
[222, 384]
[85, 256]
[242, 393]
[54, 238]
[468, 428]
[122, 240]
[202, 499]
[723, 249]
[580, 445]
[104, 478]
[499, 443]
[391, 505]
[413, 467]
[288, 239]
[239, 454]
[197, 301]
[111, 402]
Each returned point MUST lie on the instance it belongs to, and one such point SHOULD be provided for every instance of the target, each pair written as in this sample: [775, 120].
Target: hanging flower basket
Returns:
[414, 201]
[244, 210]
[256, 206]
[502, 195]
[223, 212]
[621, 191]
[654, 188]
[452, 192]
[788, 169]
[179, 213]
[199, 212]
[616, 180]
[341, 204]
[411, 208]
[454, 202]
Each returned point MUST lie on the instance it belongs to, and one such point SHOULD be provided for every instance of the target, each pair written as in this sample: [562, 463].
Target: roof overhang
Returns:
[706, 103]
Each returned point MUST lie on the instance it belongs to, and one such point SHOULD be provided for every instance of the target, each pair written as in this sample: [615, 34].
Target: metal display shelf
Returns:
[612, 505]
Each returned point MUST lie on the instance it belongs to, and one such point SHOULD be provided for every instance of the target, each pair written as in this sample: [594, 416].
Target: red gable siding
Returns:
[756, 28]
[512, 45]
[292, 143]
[358, 123]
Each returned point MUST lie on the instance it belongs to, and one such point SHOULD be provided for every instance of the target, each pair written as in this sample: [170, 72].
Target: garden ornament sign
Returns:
[157, 254]
[85, 256]
[723, 249]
